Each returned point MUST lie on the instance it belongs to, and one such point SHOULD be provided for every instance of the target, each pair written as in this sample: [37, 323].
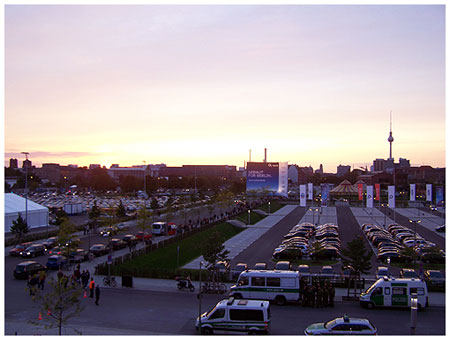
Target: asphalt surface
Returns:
[422, 231]
[262, 249]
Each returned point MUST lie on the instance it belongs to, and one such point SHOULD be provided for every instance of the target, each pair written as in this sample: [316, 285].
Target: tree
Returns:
[143, 217]
[154, 204]
[408, 254]
[357, 256]
[214, 250]
[60, 304]
[121, 211]
[19, 228]
[65, 234]
[60, 216]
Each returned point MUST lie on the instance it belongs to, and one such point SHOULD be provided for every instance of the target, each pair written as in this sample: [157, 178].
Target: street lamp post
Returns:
[26, 186]
[269, 208]
[248, 216]
[415, 235]
[200, 299]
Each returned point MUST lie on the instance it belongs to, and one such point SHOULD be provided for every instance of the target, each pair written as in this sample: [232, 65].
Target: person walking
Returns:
[91, 288]
[97, 294]
[42, 277]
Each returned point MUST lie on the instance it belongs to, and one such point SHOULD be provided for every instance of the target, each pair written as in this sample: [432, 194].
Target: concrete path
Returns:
[244, 239]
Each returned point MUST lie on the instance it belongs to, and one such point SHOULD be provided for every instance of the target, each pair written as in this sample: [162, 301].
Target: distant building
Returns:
[389, 164]
[13, 163]
[50, 172]
[293, 173]
[27, 164]
[343, 170]
[224, 171]
[94, 166]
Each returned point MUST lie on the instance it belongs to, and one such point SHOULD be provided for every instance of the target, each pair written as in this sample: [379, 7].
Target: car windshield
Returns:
[372, 287]
[330, 324]
[20, 269]
[436, 275]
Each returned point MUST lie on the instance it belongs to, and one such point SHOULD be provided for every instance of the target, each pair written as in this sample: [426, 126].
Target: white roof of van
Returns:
[243, 303]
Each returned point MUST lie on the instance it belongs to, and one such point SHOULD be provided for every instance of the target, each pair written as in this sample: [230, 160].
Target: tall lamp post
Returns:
[248, 216]
[200, 299]
[26, 186]
[269, 207]
[415, 234]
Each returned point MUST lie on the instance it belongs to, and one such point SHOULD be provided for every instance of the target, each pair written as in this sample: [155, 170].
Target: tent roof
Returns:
[15, 204]
[345, 188]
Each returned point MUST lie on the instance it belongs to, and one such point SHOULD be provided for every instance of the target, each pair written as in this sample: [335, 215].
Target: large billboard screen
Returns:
[266, 178]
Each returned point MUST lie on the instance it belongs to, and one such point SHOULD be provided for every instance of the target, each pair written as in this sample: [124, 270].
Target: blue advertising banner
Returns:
[262, 177]
[439, 196]
[325, 193]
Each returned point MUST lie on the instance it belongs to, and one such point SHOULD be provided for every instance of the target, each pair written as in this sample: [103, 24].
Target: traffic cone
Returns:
[40, 316]
[85, 296]
[49, 313]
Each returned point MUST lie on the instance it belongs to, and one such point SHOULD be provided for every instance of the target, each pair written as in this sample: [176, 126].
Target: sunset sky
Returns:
[205, 84]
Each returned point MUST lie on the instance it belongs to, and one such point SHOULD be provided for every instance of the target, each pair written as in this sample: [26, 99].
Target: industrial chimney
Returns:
[265, 155]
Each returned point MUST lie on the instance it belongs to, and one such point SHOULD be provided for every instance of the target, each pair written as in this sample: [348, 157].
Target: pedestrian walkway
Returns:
[241, 241]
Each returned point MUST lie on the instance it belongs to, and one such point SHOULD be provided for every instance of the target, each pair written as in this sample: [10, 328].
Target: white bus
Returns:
[277, 285]
[159, 228]
[393, 292]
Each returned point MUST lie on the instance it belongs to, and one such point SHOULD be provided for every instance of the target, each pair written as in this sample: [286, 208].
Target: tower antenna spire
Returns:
[390, 138]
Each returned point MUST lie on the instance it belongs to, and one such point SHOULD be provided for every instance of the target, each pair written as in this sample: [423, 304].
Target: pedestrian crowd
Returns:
[317, 294]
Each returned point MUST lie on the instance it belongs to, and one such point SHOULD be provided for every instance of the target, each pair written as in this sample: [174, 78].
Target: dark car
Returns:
[288, 253]
[130, 238]
[378, 239]
[56, 262]
[260, 266]
[304, 269]
[432, 257]
[50, 242]
[110, 231]
[440, 229]
[24, 269]
[34, 250]
[434, 278]
[326, 234]
[408, 273]
[117, 244]
[328, 252]
[73, 242]
[99, 250]
[18, 248]
[58, 250]
[392, 254]
[297, 233]
[79, 255]
[283, 265]
[238, 269]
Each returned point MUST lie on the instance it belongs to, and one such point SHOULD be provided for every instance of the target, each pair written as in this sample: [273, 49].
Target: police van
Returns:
[234, 315]
[277, 285]
[394, 292]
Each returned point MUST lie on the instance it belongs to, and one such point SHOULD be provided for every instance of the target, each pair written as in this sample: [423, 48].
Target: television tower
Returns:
[390, 139]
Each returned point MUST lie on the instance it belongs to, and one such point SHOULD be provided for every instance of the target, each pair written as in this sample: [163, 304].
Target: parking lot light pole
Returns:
[415, 235]
[248, 217]
[269, 207]
[200, 299]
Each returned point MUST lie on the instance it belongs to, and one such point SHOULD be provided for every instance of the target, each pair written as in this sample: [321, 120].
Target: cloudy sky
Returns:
[205, 84]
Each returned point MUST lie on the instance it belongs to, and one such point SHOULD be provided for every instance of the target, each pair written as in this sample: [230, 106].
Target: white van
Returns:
[250, 316]
[394, 292]
[159, 228]
[277, 285]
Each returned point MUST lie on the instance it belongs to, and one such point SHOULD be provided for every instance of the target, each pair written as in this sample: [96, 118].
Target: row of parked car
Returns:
[307, 240]
[391, 242]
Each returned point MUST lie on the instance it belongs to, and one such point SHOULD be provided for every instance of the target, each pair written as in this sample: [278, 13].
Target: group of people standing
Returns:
[36, 279]
[318, 294]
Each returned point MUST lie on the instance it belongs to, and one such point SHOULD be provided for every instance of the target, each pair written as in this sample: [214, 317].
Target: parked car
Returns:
[394, 255]
[328, 252]
[130, 238]
[79, 255]
[117, 244]
[434, 278]
[432, 257]
[143, 236]
[408, 273]
[99, 249]
[50, 242]
[24, 269]
[283, 265]
[260, 266]
[73, 242]
[109, 231]
[440, 229]
[34, 250]
[19, 248]
[56, 262]
[304, 269]
[342, 326]
[327, 271]
[288, 253]
[58, 250]
[238, 269]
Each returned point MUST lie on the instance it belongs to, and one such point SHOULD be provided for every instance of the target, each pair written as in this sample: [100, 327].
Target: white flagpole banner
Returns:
[303, 195]
[391, 196]
[412, 192]
[310, 191]
[429, 192]
[369, 200]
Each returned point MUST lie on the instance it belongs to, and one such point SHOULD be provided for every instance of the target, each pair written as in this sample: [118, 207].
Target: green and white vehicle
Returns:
[394, 292]
[233, 315]
[277, 285]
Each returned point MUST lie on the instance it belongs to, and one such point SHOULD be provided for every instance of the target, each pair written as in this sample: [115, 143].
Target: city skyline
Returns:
[205, 84]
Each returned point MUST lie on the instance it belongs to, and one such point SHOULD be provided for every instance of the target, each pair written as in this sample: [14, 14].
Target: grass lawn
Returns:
[166, 258]
[254, 217]
[274, 206]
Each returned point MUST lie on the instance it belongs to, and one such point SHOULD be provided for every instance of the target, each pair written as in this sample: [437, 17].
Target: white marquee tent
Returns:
[14, 204]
